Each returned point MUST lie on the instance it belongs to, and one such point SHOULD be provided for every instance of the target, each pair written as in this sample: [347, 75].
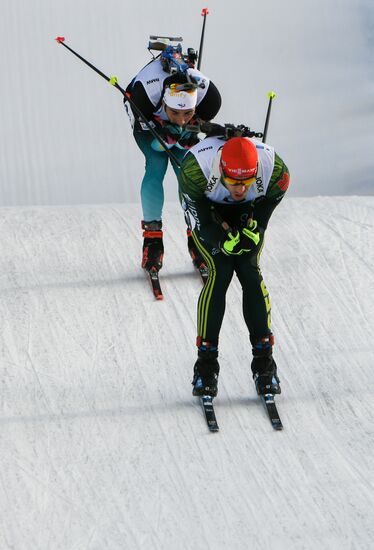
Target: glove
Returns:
[241, 241]
[170, 133]
[212, 129]
[188, 140]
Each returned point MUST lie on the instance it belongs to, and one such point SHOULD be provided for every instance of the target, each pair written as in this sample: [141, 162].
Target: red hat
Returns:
[239, 158]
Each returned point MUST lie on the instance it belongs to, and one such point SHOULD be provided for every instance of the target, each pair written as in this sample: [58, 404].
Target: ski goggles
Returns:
[232, 181]
[188, 87]
[238, 181]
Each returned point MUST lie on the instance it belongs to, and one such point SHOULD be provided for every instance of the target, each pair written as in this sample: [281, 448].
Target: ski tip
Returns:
[210, 417]
[159, 296]
[60, 39]
[204, 279]
[277, 424]
[204, 12]
[213, 429]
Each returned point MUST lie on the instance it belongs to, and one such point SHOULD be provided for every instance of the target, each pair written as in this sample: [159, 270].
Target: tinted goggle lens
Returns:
[231, 181]
[185, 87]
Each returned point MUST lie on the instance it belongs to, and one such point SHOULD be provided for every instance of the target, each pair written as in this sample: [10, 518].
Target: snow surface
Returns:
[102, 445]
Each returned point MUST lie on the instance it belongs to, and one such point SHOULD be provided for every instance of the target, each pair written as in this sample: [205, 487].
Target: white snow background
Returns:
[102, 446]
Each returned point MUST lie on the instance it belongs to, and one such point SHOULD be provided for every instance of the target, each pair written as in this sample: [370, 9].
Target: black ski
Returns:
[198, 262]
[272, 411]
[267, 399]
[210, 415]
[155, 284]
[203, 272]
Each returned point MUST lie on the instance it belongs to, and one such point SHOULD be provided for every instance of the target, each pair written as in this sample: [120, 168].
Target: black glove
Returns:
[212, 129]
[172, 131]
[241, 241]
[188, 139]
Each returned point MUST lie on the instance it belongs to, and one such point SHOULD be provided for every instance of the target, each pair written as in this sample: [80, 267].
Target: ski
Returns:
[155, 284]
[267, 399]
[272, 411]
[197, 260]
[210, 415]
[203, 272]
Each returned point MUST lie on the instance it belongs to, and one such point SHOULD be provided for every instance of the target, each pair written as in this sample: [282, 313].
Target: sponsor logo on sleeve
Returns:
[284, 182]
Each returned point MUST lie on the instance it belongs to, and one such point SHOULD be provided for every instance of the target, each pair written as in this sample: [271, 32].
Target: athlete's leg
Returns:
[212, 299]
[152, 188]
[256, 300]
[257, 315]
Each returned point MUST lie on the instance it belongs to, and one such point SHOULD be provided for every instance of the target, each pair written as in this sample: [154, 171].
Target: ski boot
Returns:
[264, 368]
[153, 247]
[206, 371]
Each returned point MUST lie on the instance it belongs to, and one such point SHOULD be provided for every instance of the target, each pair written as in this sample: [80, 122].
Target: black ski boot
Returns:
[264, 368]
[153, 247]
[206, 370]
[197, 259]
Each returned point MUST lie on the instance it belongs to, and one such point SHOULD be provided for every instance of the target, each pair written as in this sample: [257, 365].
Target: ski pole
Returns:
[271, 96]
[114, 81]
[204, 13]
